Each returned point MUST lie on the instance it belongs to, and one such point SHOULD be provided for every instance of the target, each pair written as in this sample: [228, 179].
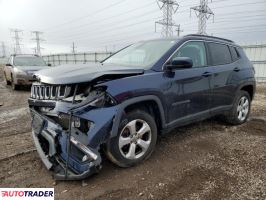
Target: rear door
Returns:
[222, 83]
[191, 87]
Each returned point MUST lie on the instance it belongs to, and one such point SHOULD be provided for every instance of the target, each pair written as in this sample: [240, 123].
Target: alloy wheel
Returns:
[135, 139]
[243, 108]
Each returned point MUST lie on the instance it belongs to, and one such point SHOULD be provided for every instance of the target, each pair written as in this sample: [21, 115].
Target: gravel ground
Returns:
[207, 160]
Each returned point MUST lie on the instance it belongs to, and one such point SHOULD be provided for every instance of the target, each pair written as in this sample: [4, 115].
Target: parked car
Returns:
[123, 103]
[20, 69]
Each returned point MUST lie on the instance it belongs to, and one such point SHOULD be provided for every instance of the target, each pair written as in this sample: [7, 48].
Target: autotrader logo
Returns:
[27, 193]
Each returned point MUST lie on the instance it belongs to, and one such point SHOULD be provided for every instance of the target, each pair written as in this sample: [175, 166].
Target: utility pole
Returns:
[38, 42]
[169, 7]
[178, 30]
[3, 50]
[203, 12]
[17, 49]
[73, 48]
[34, 50]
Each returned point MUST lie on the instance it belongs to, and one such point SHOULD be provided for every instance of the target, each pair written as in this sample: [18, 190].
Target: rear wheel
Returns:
[135, 140]
[241, 109]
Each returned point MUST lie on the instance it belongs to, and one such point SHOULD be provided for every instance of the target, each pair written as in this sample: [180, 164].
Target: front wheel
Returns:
[13, 85]
[135, 140]
[7, 81]
[241, 109]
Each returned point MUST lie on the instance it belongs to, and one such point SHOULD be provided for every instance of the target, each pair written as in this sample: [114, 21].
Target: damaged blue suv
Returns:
[121, 105]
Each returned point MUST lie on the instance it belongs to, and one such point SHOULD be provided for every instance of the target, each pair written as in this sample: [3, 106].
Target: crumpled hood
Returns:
[68, 74]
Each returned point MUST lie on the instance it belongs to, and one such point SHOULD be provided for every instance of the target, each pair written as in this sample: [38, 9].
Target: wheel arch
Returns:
[250, 89]
[151, 103]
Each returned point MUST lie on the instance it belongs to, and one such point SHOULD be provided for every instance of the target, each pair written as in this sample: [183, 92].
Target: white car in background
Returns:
[20, 69]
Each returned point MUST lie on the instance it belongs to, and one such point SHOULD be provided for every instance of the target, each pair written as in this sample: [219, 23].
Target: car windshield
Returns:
[29, 61]
[142, 54]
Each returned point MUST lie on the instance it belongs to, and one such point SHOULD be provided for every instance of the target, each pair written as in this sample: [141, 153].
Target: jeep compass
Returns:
[120, 105]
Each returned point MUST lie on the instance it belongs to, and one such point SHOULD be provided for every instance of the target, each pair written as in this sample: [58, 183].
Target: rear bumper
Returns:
[54, 154]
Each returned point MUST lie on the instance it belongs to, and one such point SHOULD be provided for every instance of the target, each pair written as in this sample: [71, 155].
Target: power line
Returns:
[97, 29]
[114, 36]
[169, 7]
[113, 16]
[105, 31]
[241, 4]
[38, 41]
[110, 28]
[121, 26]
[86, 16]
[225, 20]
[203, 12]
[258, 26]
[17, 49]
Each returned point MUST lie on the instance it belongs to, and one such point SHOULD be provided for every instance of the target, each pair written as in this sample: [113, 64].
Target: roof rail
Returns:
[208, 36]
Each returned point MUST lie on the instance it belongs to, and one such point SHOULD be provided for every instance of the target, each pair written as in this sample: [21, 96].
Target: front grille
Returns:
[51, 92]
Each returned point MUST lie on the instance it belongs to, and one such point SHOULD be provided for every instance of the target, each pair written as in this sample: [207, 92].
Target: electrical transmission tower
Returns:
[203, 12]
[3, 50]
[17, 49]
[73, 48]
[169, 7]
[178, 30]
[38, 42]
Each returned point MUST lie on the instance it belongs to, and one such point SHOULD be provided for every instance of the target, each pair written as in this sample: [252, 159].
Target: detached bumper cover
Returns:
[54, 152]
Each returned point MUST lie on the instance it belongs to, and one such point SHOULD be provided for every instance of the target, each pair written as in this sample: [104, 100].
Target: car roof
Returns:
[197, 37]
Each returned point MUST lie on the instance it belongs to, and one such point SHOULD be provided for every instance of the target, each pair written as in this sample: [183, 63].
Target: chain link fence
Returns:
[77, 58]
[257, 55]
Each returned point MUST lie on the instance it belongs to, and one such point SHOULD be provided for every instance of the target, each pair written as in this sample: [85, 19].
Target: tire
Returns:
[234, 116]
[13, 85]
[7, 82]
[120, 149]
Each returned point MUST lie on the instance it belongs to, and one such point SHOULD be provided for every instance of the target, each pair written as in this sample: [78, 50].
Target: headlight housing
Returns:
[96, 97]
[19, 72]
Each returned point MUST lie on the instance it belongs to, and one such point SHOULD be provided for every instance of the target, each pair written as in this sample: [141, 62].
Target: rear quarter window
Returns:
[220, 54]
[234, 53]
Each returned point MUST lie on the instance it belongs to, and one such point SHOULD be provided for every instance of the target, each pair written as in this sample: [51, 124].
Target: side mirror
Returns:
[179, 62]
[49, 65]
[8, 65]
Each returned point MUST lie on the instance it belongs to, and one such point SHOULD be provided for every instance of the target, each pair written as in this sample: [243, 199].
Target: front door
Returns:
[191, 87]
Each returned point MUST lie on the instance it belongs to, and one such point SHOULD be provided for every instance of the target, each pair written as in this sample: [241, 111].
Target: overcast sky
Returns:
[111, 24]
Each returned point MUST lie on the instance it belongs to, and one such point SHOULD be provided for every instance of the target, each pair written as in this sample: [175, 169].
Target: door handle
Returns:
[236, 69]
[206, 74]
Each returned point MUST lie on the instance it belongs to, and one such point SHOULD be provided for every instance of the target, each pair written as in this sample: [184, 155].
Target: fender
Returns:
[134, 100]
[247, 82]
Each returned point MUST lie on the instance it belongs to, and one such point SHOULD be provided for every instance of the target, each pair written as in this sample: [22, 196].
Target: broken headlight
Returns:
[98, 98]
[82, 124]
[95, 97]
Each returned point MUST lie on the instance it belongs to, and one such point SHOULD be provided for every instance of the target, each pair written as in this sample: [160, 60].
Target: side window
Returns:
[234, 53]
[194, 50]
[220, 54]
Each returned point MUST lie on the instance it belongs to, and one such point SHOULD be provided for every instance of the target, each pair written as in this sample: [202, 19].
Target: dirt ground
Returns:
[207, 160]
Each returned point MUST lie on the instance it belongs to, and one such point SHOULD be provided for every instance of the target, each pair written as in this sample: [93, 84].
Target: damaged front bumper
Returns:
[52, 142]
